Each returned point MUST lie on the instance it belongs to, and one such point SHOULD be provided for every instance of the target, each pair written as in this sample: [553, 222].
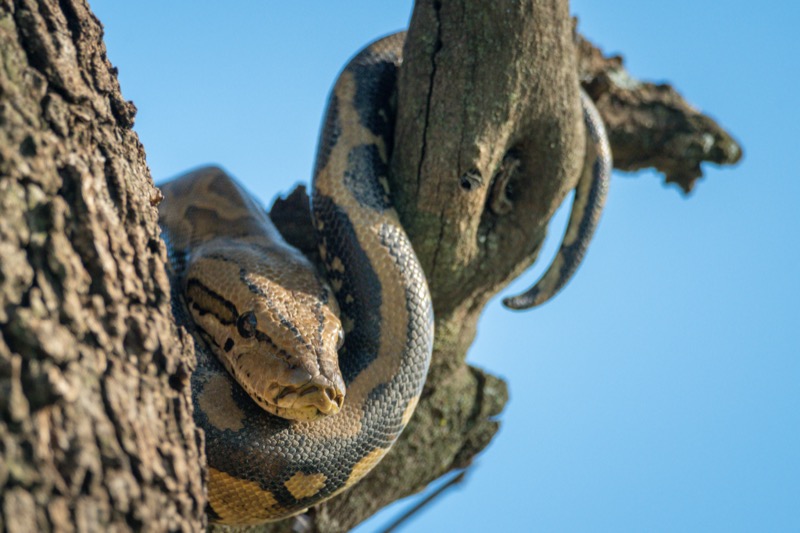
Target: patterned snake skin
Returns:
[254, 306]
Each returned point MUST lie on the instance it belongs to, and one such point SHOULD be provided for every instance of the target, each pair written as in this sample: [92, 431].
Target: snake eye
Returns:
[246, 324]
[340, 340]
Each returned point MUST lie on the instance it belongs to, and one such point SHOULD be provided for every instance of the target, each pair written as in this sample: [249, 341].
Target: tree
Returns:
[95, 417]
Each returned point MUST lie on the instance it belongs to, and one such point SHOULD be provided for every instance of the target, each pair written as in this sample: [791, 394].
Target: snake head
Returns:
[272, 323]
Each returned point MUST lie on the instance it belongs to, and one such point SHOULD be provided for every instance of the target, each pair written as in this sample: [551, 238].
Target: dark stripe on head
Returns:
[207, 341]
[285, 322]
[216, 304]
[263, 337]
[317, 310]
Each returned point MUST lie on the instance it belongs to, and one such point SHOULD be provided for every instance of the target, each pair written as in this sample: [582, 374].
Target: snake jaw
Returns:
[284, 390]
[272, 322]
[312, 401]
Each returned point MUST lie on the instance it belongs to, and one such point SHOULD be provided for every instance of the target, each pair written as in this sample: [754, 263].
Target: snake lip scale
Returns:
[287, 423]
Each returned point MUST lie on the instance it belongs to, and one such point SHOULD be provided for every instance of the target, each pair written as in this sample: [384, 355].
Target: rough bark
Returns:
[96, 428]
[651, 125]
[95, 421]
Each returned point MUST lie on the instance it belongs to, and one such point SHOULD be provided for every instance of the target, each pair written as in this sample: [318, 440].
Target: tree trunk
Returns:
[96, 428]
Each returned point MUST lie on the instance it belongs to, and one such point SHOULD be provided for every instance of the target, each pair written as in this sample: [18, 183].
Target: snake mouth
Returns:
[310, 401]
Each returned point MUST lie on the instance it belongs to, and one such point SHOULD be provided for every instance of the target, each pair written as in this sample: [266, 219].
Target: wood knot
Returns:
[471, 179]
[502, 194]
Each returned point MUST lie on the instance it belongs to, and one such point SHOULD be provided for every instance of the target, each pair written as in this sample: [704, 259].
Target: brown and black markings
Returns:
[262, 467]
[587, 206]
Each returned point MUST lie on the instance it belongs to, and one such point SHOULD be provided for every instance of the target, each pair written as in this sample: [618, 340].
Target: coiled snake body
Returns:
[257, 308]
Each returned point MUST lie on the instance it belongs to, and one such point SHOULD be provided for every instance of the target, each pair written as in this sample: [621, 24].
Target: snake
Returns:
[304, 381]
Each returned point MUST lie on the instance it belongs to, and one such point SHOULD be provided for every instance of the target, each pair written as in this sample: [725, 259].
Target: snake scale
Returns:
[288, 424]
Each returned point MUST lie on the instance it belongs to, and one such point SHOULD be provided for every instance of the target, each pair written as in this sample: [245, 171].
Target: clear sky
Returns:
[661, 390]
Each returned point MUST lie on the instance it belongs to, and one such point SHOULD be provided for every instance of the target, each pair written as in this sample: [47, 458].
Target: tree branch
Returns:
[651, 125]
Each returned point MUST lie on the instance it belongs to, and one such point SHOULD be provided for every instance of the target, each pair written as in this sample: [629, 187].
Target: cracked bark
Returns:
[95, 421]
[96, 428]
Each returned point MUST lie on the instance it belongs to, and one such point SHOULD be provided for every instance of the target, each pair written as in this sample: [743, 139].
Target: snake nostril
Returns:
[334, 396]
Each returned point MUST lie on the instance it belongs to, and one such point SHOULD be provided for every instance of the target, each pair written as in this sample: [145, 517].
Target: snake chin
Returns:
[285, 390]
[310, 402]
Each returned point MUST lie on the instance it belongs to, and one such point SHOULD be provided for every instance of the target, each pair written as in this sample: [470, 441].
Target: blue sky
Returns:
[660, 390]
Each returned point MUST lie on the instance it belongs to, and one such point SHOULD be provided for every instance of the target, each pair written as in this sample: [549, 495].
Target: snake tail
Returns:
[587, 206]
